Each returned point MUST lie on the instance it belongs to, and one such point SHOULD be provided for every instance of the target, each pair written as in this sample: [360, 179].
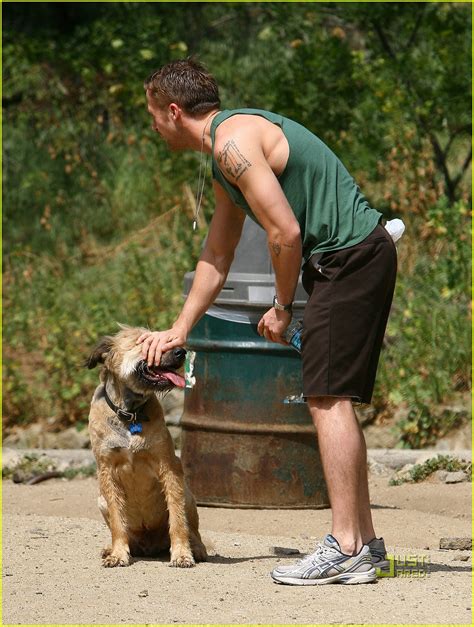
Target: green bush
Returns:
[420, 472]
[426, 360]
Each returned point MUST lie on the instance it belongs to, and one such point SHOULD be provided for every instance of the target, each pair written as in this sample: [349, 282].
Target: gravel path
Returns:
[53, 533]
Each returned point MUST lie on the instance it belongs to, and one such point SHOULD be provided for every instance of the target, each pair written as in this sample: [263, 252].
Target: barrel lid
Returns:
[251, 280]
[244, 289]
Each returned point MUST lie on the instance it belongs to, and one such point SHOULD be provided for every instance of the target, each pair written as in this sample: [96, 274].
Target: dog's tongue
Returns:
[175, 378]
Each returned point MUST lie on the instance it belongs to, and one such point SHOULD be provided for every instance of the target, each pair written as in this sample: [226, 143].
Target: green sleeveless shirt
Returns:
[330, 209]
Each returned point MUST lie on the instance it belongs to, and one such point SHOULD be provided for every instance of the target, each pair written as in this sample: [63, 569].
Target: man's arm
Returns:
[210, 275]
[241, 158]
[215, 260]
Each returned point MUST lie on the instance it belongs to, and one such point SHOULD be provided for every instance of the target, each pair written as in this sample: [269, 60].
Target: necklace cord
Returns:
[201, 175]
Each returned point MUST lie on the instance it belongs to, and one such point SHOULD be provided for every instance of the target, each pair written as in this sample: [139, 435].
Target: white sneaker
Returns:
[328, 564]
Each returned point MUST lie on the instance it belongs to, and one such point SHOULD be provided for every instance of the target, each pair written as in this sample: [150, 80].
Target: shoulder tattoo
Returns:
[232, 161]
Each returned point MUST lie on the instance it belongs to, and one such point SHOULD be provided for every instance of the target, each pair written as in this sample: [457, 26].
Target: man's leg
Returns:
[344, 457]
[343, 454]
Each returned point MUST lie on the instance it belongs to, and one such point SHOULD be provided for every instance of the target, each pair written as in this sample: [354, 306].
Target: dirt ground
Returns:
[53, 533]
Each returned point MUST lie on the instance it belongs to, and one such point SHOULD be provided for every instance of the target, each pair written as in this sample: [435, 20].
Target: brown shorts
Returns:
[350, 294]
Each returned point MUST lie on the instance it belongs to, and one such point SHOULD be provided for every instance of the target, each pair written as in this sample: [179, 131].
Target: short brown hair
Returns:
[187, 83]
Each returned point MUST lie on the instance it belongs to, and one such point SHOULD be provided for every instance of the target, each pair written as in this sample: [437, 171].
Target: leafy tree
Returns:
[96, 211]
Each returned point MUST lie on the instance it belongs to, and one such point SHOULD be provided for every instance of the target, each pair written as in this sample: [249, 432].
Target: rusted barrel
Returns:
[247, 436]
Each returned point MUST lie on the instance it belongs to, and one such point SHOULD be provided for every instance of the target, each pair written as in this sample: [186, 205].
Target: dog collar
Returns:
[135, 418]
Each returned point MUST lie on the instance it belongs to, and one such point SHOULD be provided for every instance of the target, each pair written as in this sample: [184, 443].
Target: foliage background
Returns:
[96, 212]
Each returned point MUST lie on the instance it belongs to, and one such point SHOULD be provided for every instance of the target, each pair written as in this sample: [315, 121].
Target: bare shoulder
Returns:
[238, 144]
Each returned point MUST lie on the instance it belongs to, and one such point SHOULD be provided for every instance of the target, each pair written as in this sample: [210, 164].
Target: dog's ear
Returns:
[99, 353]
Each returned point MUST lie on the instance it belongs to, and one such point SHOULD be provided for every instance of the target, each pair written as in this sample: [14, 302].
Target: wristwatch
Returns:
[279, 307]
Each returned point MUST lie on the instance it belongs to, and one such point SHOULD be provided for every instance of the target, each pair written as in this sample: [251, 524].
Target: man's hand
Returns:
[154, 343]
[273, 324]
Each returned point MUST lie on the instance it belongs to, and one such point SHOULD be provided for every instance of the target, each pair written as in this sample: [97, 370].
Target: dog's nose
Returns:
[179, 353]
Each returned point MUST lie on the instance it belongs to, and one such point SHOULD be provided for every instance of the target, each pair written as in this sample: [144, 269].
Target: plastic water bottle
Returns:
[293, 334]
[395, 228]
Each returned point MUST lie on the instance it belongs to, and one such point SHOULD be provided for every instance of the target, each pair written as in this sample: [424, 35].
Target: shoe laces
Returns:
[321, 551]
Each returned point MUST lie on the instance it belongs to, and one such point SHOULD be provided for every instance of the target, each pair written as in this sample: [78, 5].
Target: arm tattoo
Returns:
[232, 160]
[276, 248]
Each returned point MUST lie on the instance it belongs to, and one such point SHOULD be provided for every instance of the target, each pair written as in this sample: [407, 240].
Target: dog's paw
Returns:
[182, 561]
[111, 560]
[200, 553]
[106, 552]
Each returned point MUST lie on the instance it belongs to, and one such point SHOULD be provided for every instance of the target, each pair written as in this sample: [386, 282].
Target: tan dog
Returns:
[143, 496]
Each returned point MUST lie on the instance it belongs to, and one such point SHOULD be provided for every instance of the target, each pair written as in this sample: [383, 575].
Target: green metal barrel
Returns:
[247, 436]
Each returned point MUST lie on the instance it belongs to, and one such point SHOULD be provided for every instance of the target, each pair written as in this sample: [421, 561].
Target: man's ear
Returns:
[174, 110]
[99, 353]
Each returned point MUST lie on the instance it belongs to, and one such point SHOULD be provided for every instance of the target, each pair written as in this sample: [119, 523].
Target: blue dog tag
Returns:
[136, 427]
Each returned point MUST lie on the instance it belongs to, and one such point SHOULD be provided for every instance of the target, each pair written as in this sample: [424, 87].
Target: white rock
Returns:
[378, 469]
[441, 475]
[455, 477]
